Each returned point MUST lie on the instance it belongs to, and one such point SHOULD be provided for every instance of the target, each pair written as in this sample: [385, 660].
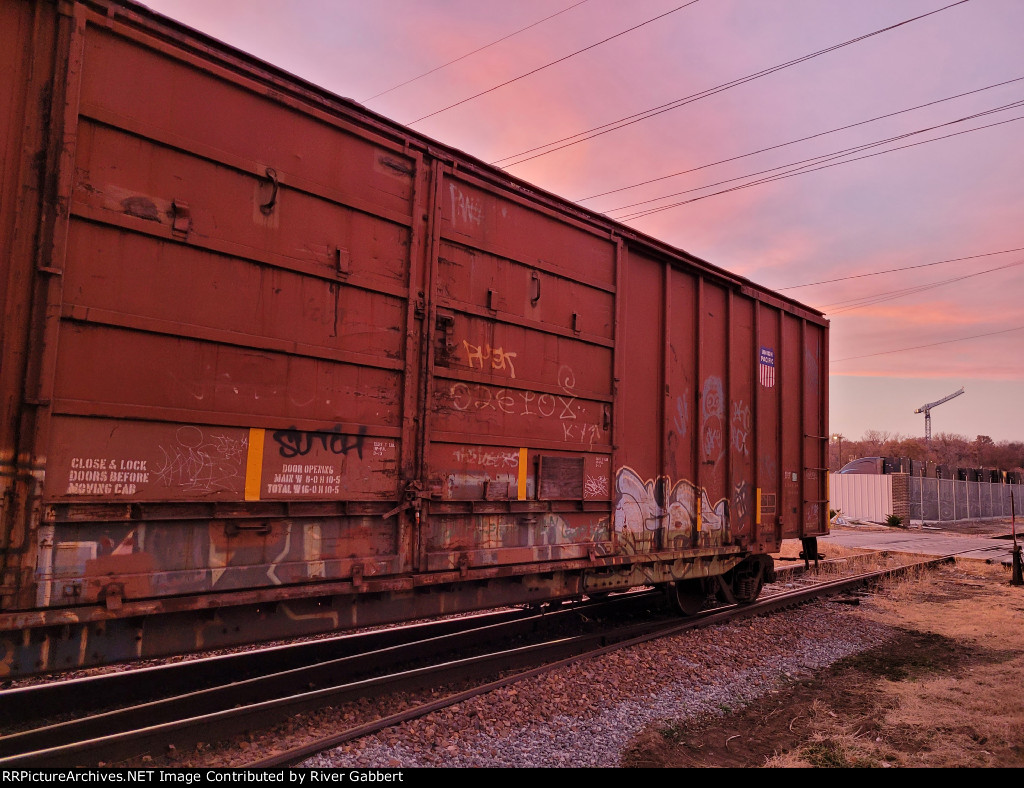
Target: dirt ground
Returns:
[946, 691]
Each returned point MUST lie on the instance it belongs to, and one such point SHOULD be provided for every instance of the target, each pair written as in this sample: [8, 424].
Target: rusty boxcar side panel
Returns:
[519, 421]
[274, 365]
[36, 50]
[231, 327]
[726, 404]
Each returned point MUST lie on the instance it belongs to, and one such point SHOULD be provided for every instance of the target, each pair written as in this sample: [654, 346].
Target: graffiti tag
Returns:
[499, 358]
[299, 443]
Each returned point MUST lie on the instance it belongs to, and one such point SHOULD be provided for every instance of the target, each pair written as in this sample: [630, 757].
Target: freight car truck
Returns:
[275, 365]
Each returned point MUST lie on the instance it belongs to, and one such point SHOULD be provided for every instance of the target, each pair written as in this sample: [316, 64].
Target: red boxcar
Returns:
[275, 365]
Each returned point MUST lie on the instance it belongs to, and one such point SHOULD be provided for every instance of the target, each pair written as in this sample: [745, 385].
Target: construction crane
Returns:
[927, 411]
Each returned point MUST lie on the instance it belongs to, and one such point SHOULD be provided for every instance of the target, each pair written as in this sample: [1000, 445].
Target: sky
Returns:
[704, 87]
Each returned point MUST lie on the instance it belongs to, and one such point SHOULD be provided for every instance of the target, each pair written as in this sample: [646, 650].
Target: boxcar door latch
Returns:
[413, 494]
[181, 219]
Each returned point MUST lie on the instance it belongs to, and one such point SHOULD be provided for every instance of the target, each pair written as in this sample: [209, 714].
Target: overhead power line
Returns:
[805, 171]
[560, 60]
[629, 120]
[870, 300]
[931, 344]
[475, 51]
[801, 139]
[824, 157]
[903, 268]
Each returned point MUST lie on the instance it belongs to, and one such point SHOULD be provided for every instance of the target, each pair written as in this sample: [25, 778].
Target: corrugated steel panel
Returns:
[861, 496]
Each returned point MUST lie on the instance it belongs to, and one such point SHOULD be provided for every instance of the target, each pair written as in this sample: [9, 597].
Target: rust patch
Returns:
[401, 167]
[141, 207]
[132, 572]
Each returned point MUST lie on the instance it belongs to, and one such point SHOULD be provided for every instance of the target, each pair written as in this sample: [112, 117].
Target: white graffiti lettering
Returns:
[643, 508]
[466, 208]
[740, 427]
[584, 433]
[712, 401]
[595, 487]
[487, 459]
[682, 417]
[196, 462]
[713, 419]
[478, 397]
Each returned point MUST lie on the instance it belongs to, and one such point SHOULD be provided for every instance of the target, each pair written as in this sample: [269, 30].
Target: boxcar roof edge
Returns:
[151, 22]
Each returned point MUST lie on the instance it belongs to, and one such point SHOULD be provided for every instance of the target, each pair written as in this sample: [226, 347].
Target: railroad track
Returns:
[116, 716]
[190, 702]
[137, 685]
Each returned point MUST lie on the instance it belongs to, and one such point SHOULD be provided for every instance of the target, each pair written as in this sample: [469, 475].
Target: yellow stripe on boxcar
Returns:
[254, 465]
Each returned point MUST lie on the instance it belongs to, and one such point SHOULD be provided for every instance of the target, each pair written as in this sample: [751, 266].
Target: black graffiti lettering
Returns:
[299, 443]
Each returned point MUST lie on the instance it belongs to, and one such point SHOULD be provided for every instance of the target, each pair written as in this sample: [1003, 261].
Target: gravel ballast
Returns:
[585, 714]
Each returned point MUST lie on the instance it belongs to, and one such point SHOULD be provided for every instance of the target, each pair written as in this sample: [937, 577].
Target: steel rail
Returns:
[127, 744]
[147, 727]
[35, 702]
[452, 636]
[138, 684]
[721, 615]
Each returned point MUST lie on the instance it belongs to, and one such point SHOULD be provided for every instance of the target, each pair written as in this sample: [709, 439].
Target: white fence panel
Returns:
[861, 496]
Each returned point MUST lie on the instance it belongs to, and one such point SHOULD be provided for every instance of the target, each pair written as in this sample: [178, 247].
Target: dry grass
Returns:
[945, 690]
[961, 705]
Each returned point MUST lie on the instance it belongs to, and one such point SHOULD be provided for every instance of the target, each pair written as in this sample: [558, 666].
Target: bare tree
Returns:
[874, 442]
[953, 451]
[948, 449]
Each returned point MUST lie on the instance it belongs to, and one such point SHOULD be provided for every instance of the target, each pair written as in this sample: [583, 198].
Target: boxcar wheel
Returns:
[687, 597]
[742, 584]
[746, 588]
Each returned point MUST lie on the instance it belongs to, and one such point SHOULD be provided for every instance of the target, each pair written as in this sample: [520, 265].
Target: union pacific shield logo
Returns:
[767, 367]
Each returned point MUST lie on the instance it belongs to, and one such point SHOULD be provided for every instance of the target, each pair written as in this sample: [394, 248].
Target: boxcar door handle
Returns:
[536, 293]
[268, 207]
